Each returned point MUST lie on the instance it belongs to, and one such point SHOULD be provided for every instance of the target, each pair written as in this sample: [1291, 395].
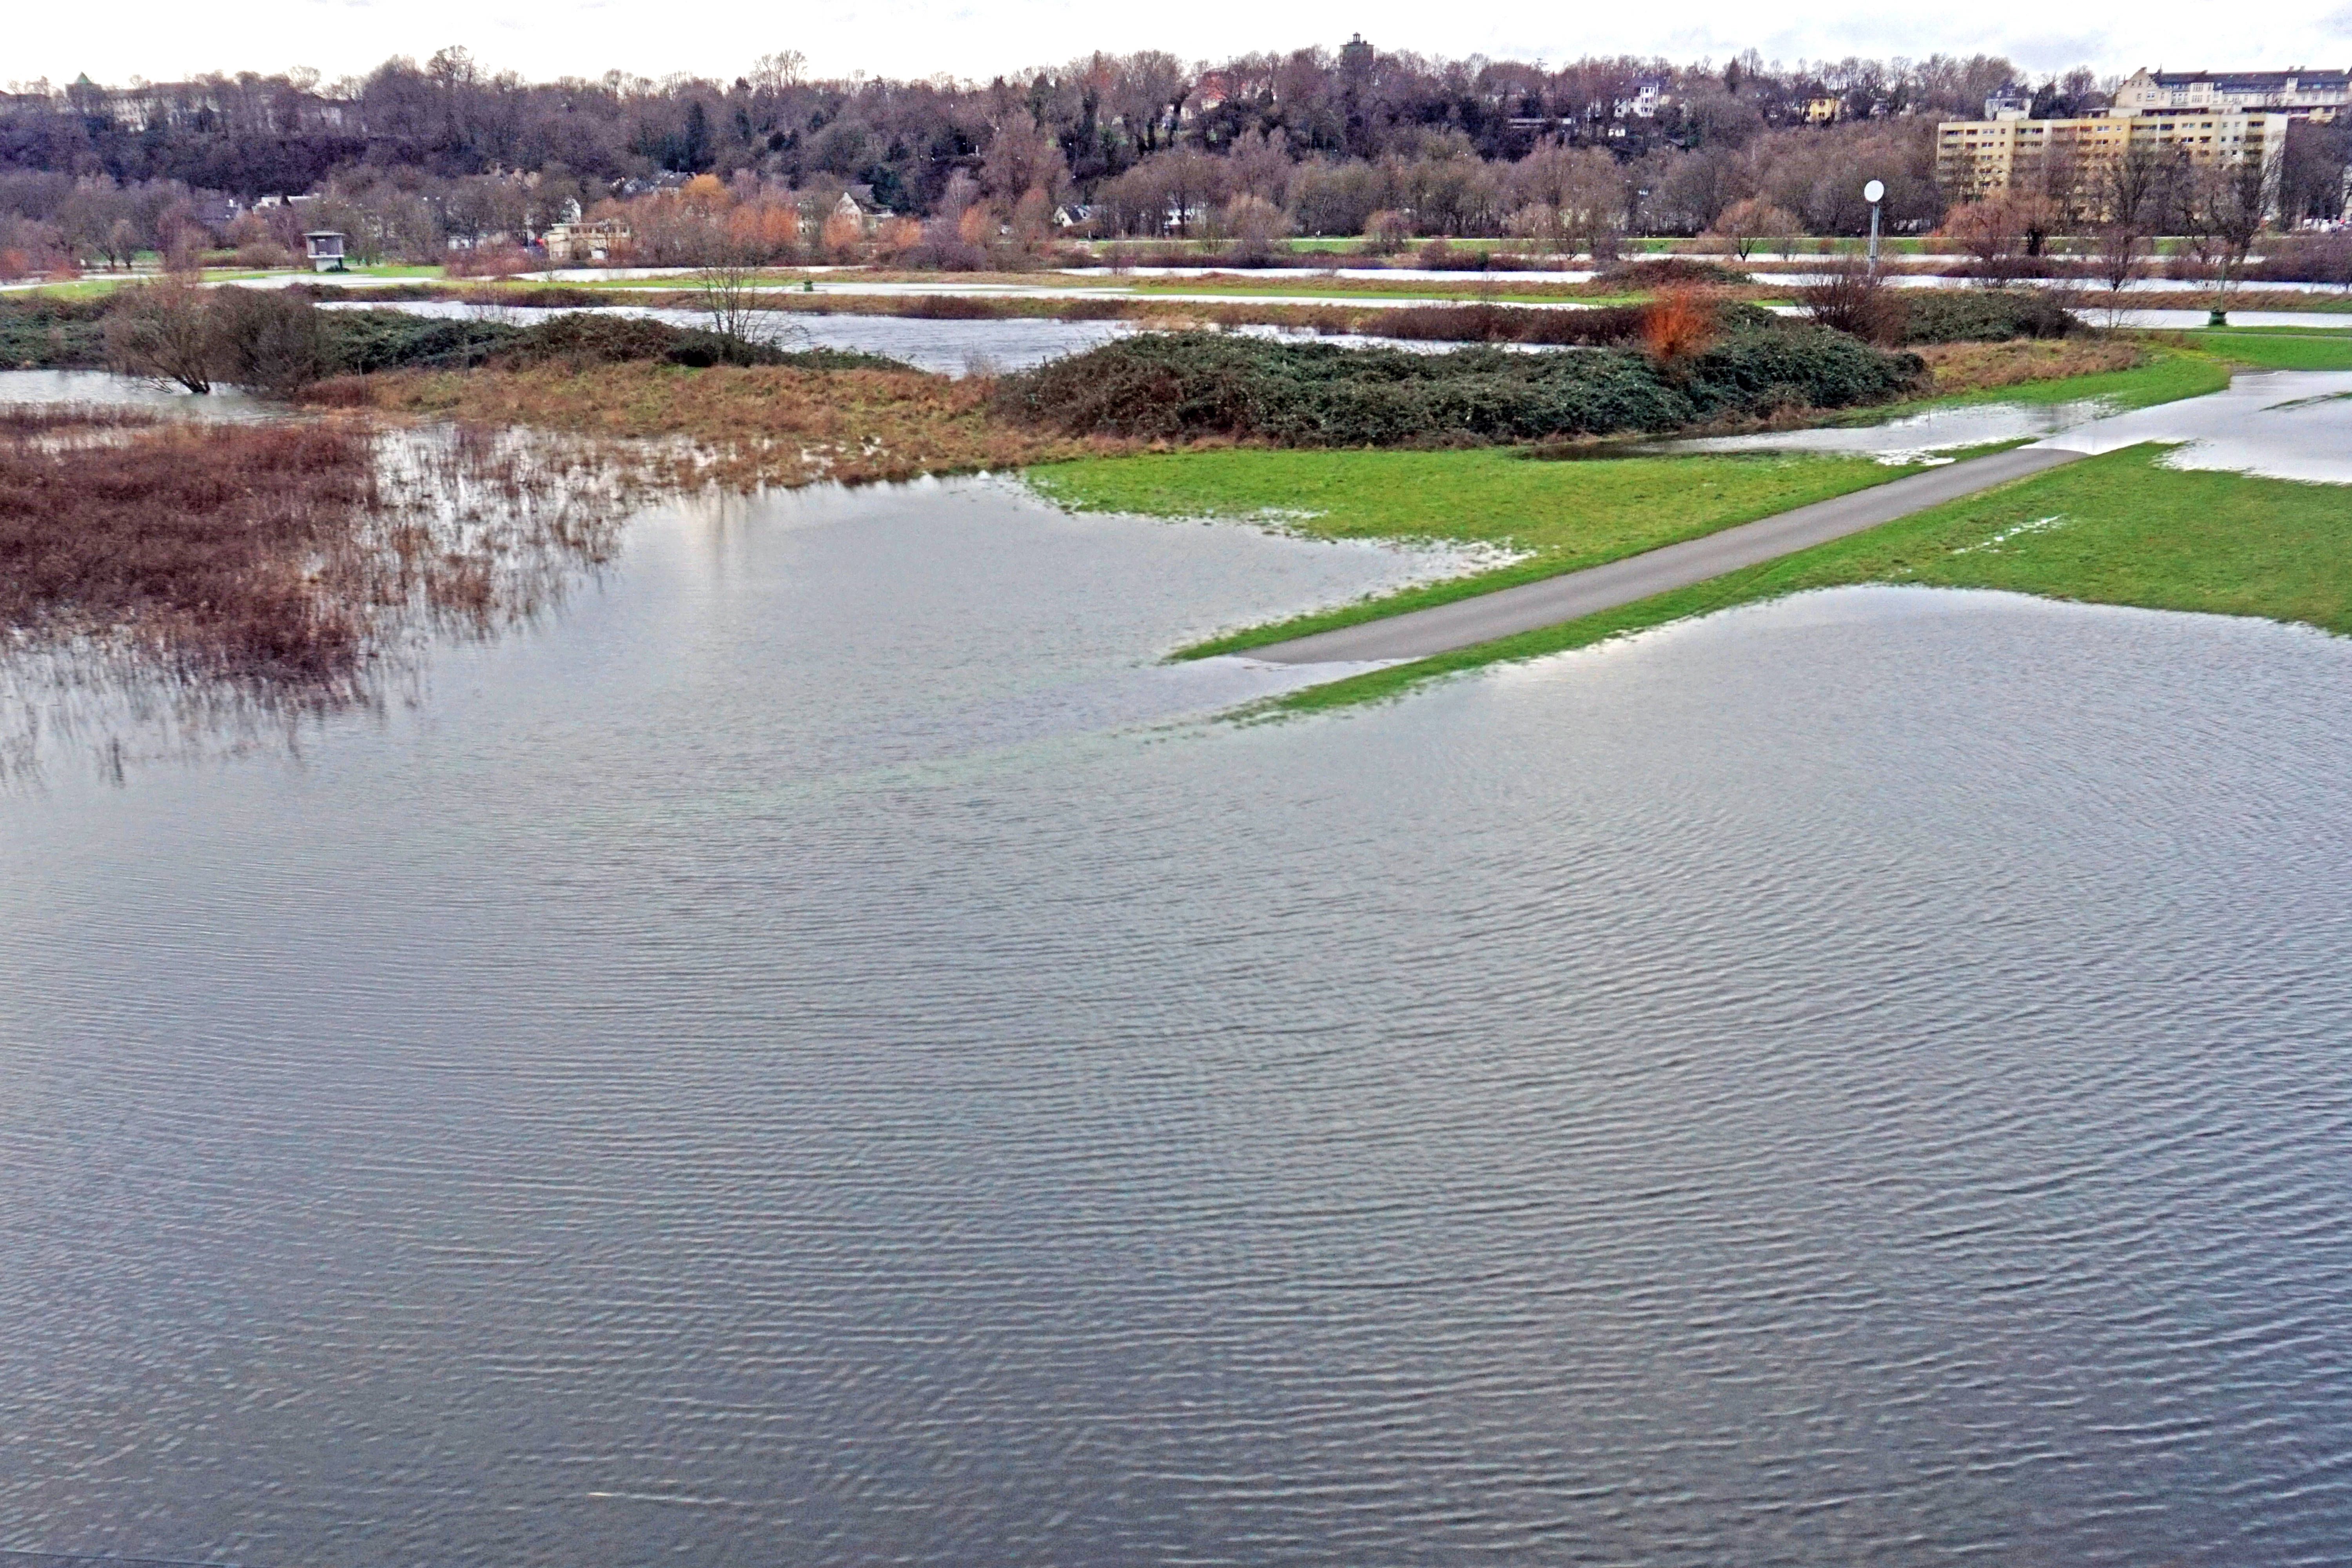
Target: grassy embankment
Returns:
[2116, 529]
[1564, 515]
[1575, 514]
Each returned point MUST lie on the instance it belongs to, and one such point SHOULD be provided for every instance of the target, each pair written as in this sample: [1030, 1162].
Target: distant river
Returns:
[817, 1054]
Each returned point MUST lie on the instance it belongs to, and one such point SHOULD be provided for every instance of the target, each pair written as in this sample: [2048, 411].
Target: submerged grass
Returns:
[286, 558]
[200, 544]
[1563, 516]
[2116, 529]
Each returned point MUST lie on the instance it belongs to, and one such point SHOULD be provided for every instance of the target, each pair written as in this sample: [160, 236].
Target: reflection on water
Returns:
[772, 1065]
[2287, 425]
[1914, 437]
[98, 387]
[943, 347]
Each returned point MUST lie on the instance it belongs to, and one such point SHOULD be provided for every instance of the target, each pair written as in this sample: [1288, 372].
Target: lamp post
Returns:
[1874, 193]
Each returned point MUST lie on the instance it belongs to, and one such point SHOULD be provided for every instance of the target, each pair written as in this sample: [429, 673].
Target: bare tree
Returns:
[727, 284]
[2229, 202]
[1749, 224]
[2130, 195]
[1256, 226]
[266, 339]
[162, 332]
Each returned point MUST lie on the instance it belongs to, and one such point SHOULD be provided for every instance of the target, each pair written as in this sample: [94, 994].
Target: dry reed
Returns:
[743, 427]
[284, 556]
[1974, 367]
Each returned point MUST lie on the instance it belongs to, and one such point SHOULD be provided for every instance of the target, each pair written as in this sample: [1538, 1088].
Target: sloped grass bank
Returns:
[2116, 529]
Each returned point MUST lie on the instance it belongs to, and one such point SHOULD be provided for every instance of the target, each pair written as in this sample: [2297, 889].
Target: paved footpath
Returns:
[1485, 616]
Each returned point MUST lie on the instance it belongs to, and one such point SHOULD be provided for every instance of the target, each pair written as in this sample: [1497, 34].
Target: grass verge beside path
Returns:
[1567, 515]
[2274, 348]
[2168, 377]
[2116, 529]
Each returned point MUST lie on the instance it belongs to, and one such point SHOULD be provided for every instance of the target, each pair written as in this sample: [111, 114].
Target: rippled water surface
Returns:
[809, 1057]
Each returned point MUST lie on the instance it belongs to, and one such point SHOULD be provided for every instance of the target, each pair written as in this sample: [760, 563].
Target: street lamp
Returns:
[1874, 193]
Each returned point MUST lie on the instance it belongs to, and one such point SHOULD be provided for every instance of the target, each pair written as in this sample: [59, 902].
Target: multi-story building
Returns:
[2318, 95]
[2198, 117]
[2067, 159]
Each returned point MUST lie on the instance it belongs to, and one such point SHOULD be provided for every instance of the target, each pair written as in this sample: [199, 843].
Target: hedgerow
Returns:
[1187, 385]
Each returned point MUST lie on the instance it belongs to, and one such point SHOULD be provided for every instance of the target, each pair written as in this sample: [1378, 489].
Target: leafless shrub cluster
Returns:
[173, 331]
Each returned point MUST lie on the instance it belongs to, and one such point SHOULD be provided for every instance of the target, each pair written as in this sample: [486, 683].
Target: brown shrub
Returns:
[1853, 300]
[281, 557]
[1679, 324]
[492, 261]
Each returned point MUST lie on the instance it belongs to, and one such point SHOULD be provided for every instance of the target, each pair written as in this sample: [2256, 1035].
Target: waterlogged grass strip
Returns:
[1556, 516]
[2122, 529]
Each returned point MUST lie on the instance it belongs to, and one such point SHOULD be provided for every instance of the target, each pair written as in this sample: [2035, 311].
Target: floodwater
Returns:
[99, 387]
[2287, 425]
[810, 1056]
[947, 347]
[1914, 437]
[943, 347]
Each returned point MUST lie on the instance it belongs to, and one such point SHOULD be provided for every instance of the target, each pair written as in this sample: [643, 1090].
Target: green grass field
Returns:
[1567, 515]
[2275, 348]
[2166, 378]
[2117, 529]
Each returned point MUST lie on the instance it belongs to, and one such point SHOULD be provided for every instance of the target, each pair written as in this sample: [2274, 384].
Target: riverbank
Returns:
[2121, 529]
[1548, 517]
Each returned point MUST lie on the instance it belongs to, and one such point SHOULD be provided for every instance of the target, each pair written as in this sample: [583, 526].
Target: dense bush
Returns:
[1314, 395]
[1983, 315]
[364, 342]
[1603, 326]
[41, 332]
[359, 342]
[582, 339]
[2303, 258]
[266, 339]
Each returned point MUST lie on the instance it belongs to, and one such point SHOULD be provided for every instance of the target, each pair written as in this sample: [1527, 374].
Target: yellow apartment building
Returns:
[2065, 159]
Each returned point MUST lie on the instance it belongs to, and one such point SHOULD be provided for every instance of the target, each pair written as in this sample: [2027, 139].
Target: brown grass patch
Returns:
[31, 419]
[763, 425]
[197, 542]
[1972, 367]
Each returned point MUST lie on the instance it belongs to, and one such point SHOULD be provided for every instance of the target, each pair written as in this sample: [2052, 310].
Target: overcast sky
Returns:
[117, 40]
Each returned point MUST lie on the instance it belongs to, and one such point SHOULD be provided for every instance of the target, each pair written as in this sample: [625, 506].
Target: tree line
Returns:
[1350, 141]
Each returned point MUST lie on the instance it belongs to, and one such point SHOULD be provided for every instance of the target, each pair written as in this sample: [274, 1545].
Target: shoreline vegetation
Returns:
[265, 566]
[2122, 529]
[289, 559]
